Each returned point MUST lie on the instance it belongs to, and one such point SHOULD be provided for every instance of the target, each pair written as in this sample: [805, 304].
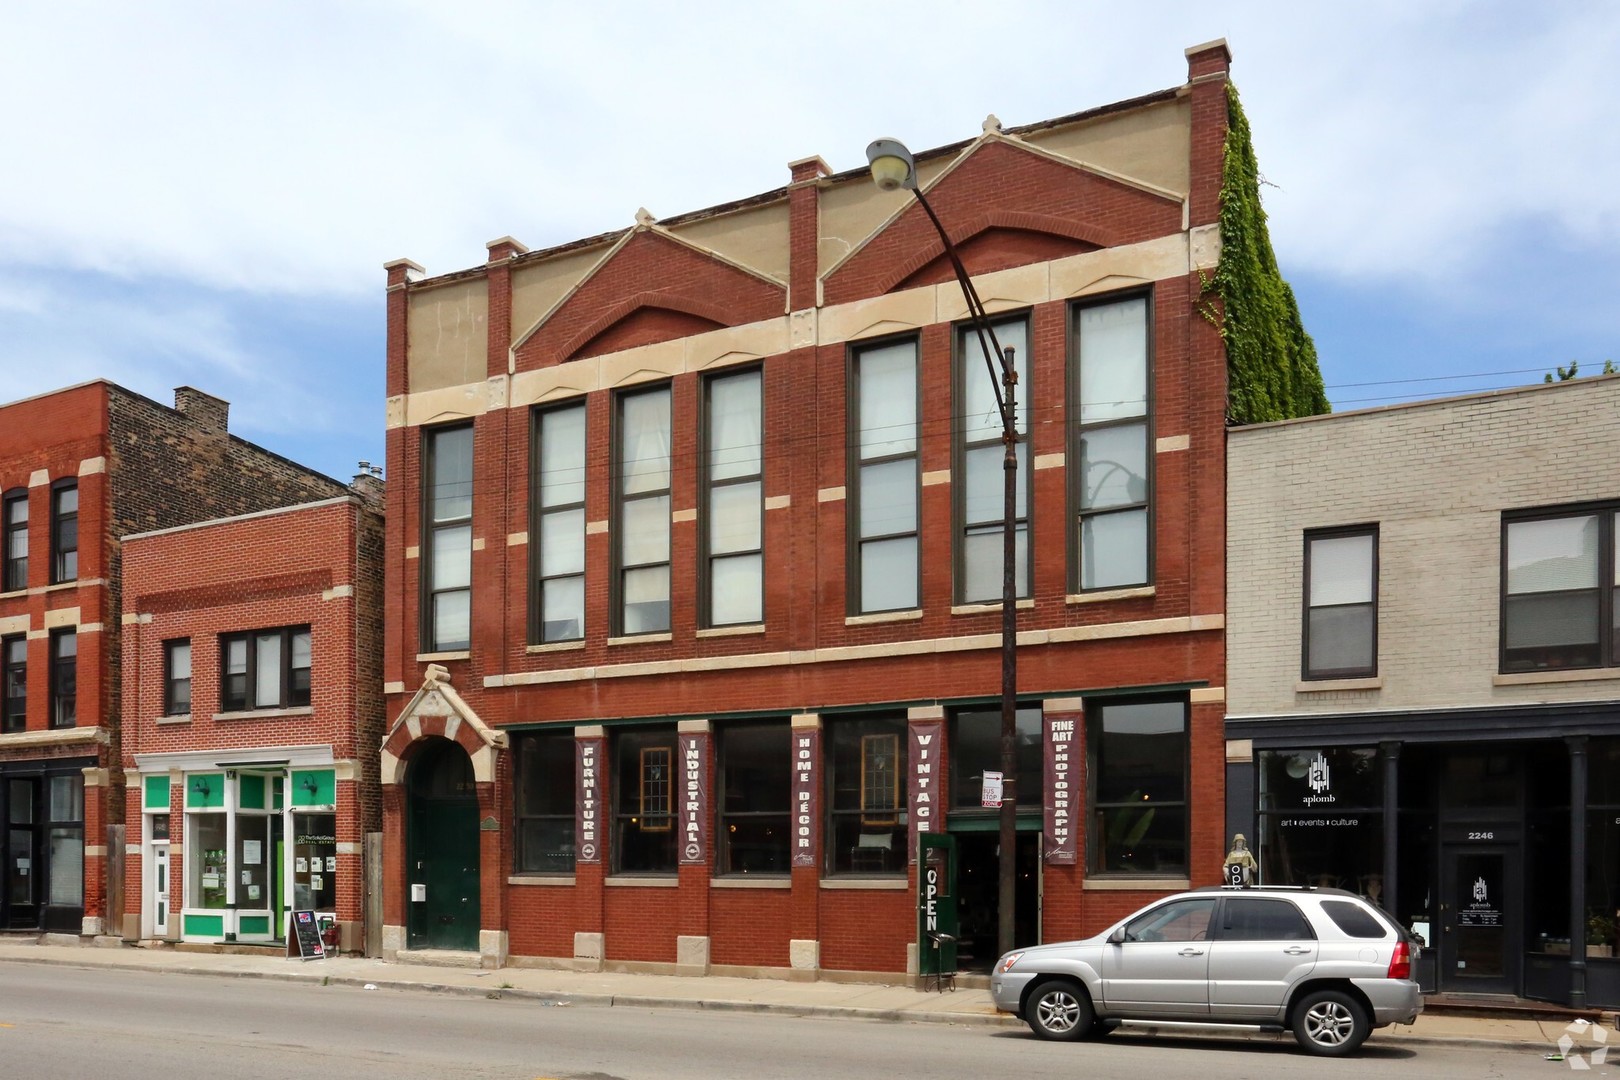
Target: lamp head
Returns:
[892, 165]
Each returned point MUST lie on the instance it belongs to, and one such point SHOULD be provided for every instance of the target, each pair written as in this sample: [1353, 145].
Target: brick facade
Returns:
[1046, 217]
[136, 465]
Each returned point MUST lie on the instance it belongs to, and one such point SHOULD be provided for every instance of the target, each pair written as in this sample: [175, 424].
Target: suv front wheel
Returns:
[1330, 1023]
[1059, 1010]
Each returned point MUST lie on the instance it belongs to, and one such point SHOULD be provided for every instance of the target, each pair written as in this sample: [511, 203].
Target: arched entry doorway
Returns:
[442, 850]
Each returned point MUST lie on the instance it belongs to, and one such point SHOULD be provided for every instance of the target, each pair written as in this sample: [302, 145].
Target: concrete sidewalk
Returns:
[853, 1000]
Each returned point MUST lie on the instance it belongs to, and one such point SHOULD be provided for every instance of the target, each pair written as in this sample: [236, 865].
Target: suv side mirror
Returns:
[1118, 936]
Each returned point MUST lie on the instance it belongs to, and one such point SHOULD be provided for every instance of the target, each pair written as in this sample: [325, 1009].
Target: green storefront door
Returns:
[442, 864]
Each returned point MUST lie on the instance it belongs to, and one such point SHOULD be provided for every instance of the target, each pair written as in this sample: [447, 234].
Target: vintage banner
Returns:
[588, 757]
[693, 843]
[924, 790]
[806, 752]
[1061, 775]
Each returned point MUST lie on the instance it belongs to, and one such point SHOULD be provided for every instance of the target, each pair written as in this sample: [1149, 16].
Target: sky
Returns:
[204, 194]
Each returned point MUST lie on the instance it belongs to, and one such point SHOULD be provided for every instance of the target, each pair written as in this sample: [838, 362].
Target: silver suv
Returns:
[1322, 962]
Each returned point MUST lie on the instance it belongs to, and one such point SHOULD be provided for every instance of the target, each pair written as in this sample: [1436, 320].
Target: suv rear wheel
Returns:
[1059, 1010]
[1330, 1023]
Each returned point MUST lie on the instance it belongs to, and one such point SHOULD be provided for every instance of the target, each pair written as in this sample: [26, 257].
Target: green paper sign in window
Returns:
[156, 792]
[250, 792]
[205, 790]
[314, 787]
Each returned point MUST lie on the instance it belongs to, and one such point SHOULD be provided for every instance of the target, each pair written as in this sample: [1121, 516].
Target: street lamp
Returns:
[893, 167]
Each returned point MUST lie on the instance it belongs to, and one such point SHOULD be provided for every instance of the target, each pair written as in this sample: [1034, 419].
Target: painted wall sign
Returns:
[806, 752]
[694, 816]
[588, 754]
[1061, 846]
[923, 792]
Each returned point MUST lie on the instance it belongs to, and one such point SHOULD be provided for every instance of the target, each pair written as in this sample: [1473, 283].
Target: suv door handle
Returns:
[1297, 950]
[1191, 952]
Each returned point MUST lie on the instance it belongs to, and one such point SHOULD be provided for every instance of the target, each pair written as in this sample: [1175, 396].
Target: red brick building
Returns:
[80, 469]
[693, 575]
[252, 714]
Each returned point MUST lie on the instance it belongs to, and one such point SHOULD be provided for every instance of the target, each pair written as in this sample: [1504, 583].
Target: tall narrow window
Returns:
[64, 671]
[883, 481]
[14, 571]
[643, 787]
[447, 539]
[1561, 590]
[559, 526]
[641, 536]
[177, 677]
[14, 675]
[980, 489]
[1137, 783]
[866, 821]
[545, 802]
[264, 669]
[64, 531]
[64, 810]
[755, 788]
[1341, 603]
[1111, 490]
[733, 500]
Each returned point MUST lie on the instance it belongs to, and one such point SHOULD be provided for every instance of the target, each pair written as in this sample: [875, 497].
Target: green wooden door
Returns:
[442, 843]
[937, 927]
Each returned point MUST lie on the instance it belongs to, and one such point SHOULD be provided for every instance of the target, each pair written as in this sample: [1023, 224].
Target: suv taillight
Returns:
[1400, 964]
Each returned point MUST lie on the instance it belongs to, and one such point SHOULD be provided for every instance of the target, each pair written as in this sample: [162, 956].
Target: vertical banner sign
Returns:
[588, 755]
[924, 793]
[1060, 789]
[806, 752]
[694, 797]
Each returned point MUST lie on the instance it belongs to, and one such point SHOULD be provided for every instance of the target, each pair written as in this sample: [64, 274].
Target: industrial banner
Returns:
[694, 800]
[923, 785]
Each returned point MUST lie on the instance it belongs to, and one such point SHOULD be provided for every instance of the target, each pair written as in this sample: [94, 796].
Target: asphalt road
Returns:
[64, 1023]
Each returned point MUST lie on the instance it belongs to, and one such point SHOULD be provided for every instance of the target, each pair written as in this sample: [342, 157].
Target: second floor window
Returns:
[733, 500]
[64, 532]
[883, 478]
[1341, 603]
[14, 676]
[264, 669]
[641, 526]
[558, 544]
[980, 487]
[1111, 488]
[177, 677]
[14, 569]
[1560, 590]
[64, 680]
[447, 539]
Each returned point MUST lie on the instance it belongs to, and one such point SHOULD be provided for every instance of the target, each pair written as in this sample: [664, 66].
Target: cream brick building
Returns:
[1424, 674]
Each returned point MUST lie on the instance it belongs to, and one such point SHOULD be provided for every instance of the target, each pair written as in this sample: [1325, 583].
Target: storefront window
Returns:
[1603, 847]
[66, 817]
[1321, 819]
[644, 801]
[545, 803]
[314, 862]
[866, 831]
[976, 750]
[1136, 769]
[755, 790]
[205, 859]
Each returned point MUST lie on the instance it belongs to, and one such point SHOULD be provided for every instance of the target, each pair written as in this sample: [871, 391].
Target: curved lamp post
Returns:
[893, 167]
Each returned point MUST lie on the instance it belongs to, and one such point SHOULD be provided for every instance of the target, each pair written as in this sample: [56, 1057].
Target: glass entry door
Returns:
[1480, 919]
[21, 875]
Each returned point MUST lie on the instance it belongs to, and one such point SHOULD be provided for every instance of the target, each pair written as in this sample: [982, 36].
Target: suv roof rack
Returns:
[1276, 888]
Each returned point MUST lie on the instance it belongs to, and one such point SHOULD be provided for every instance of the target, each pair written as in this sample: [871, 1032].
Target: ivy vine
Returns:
[1272, 373]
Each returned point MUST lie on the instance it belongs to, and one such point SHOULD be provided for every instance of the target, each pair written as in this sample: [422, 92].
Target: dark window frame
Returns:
[963, 333]
[523, 800]
[1607, 514]
[707, 484]
[289, 695]
[13, 570]
[171, 682]
[865, 733]
[61, 520]
[1095, 845]
[725, 761]
[620, 568]
[538, 512]
[630, 801]
[1077, 430]
[14, 672]
[430, 529]
[1343, 532]
[854, 539]
[64, 678]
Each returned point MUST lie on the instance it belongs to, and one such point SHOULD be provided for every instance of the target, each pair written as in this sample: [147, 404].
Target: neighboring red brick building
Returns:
[80, 469]
[693, 574]
[253, 710]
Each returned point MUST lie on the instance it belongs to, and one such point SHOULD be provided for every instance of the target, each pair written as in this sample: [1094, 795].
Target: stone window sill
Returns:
[751, 882]
[1104, 595]
[1137, 884]
[1323, 686]
[1533, 678]
[870, 884]
[537, 879]
[884, 617]
[983, 609]
[641, 639]
[435, 657]
[265, 714]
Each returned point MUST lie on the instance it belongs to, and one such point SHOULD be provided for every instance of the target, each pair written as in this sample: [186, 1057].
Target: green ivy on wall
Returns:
[1271, 366]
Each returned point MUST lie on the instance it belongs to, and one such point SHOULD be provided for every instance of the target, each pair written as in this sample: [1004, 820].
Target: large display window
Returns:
[1322, 820]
